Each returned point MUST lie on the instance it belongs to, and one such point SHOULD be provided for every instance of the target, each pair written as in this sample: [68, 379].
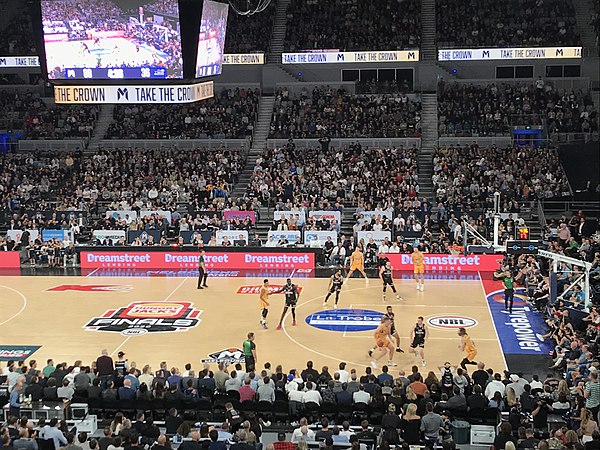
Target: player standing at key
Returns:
[335, 286]
[418, 259]
[357, 262]
[264, 303]
[291, 299]
[386, 276]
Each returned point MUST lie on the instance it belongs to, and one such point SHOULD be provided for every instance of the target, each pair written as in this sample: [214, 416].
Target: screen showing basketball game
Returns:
[211, 40]
[112, 39]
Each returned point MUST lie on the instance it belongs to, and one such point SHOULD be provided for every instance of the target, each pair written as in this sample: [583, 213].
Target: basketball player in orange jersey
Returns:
[357, 262]
[383, 342]
[264, 303]
[467, 345]
[419, 267]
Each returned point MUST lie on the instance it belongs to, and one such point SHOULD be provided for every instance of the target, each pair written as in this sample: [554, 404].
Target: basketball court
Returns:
[112, 52]
[154, 318]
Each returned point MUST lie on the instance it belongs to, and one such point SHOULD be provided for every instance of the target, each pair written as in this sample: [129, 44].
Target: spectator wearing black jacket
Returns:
[106, 440]
[172, 421]
[50, 390]
[152, 432]
[34, 389]
[365, 433]
[477, 400]
[309, 372]
[504, 436]
[194, 444]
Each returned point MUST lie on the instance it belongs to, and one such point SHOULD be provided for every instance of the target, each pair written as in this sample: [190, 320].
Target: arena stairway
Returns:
[259, 142]
[428, 31]
[583, 10]
[104, 120]
[278, 34]
[429, 140]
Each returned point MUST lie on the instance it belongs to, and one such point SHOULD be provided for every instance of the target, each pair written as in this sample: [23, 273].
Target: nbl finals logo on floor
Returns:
[139, 318]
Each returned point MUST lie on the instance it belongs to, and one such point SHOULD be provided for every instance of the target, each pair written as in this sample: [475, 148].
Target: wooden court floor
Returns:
[74, 318]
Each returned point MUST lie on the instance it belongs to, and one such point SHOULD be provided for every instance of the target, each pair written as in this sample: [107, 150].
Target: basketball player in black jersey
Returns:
[419, 334]
[202, 274]
[389, 313]
[335, 286]
[385, 272]
[291, 298]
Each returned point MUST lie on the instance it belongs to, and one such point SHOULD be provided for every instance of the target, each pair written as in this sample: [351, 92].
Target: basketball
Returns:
[380, 343]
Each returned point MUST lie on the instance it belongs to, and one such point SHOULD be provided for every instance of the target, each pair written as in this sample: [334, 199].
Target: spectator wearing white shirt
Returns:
[399, 223]
[338, 254]
[346, 431]
[233, 383]
[361, 396]
[344, 374]
[536, 384]
[266, 391]
[496, 385]
[394, 248]
[303, 432]
[296, 395]
[383, 248]
[312, 395]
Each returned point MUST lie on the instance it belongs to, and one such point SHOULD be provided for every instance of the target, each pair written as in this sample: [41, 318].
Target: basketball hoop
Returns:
[248, 8]
[456, 249]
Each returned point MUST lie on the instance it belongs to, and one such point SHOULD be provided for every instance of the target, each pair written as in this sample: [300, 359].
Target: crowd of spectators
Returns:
[466, 177]
[249, 33]
[514, 23]
[16, 106]
[16, 36]
[166, 7]
[60, 122]
[229, 115]
[595, 22]
[411, 408]
[337, 113]
[96, 14]
[27, 111]
[471, 110]
[326, 177]
[374, 86]
[353, 25]
[70, 191]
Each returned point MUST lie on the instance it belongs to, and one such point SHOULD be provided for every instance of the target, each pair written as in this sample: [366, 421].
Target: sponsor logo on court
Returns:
[139, 318]
[92, 288]
[345, 320]
[226, 356]
[17, 352]
[451, 322]
[519, 298]
[273, 288]
[519, 332]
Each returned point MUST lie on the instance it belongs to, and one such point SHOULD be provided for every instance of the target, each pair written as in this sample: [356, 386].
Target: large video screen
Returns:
[112, 39]
[211, 40]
